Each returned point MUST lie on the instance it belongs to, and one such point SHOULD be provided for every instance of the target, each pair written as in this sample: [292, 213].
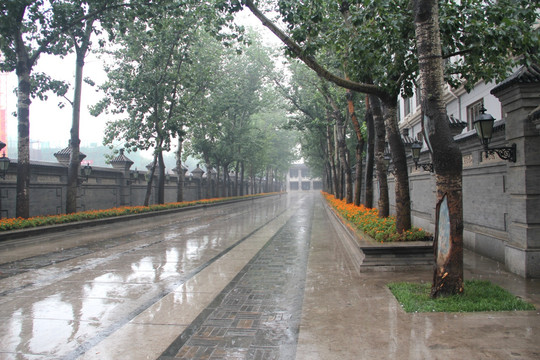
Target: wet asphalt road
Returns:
[63, 294]
[274, 278]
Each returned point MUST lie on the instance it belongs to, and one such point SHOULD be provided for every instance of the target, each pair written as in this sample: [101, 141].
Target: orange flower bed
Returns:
[368, 221]
[21, 223]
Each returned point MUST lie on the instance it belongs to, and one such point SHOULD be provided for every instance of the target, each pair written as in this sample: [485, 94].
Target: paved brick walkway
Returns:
[257, 316]
[277, 278]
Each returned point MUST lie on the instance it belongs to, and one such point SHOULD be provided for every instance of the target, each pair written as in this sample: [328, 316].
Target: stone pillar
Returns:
[520, 96]
[63, 156]
[197, 176]
[123, 163]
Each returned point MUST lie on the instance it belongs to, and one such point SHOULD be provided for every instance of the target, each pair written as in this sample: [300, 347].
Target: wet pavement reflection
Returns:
[61, 302]
[257, 316]
[274, 278]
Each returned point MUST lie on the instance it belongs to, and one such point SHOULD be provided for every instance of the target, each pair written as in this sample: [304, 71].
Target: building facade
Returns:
[299, 179]
[501, 198]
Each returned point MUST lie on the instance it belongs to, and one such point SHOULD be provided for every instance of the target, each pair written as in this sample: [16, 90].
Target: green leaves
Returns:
[42, 83]
[486, 40]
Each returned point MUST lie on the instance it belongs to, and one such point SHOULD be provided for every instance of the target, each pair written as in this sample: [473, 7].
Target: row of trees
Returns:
[176, 72]
[387, 49]
[175, 81]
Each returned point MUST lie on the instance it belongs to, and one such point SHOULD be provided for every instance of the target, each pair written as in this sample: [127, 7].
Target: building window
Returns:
[407, 106]
[305, 173]
[293, 185]
[293, 173]
[473, 111]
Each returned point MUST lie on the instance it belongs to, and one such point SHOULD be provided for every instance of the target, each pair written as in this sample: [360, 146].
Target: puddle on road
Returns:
[80, 302]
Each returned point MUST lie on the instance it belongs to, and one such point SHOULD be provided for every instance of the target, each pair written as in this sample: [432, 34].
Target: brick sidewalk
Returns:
[257, 316]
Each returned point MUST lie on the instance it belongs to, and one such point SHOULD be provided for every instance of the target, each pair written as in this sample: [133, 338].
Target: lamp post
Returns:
[415, 152]
[85, 171]
[386, 161]
[483, 124]
[4, 162]
[134, 175]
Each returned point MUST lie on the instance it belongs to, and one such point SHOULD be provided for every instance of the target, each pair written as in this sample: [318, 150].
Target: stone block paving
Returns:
[257, 316]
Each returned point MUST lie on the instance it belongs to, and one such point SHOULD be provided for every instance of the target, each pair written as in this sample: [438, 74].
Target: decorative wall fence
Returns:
[106, 188]
[501, 199]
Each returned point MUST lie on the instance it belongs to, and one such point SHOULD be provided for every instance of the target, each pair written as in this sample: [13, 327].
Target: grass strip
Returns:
[478, 295]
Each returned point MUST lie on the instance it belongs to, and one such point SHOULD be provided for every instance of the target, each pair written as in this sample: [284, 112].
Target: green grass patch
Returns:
[478, 295]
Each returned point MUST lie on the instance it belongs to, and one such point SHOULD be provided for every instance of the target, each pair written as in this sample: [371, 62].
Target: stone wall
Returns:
[501, 199]
[105, 188]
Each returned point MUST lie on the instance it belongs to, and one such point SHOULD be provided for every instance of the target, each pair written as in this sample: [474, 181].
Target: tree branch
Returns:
[310, 60]
[461, 52]
[53, 36]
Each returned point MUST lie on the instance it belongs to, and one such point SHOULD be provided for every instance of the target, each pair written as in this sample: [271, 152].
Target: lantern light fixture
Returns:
[483, 124]
[85, 172]
[416, 147]
[4, 165]
[386, 162]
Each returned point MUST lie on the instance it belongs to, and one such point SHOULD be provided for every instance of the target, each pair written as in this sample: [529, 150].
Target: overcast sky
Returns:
[50, 124]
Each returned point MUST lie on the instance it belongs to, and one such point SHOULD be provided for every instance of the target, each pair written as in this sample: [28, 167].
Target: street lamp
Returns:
[415, 152]
[483, 124]
[4, 165]
[135, 175]
[386, 162]
[85, 171]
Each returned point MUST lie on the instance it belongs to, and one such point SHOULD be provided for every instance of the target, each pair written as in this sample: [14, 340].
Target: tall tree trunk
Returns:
[211, 189]
[399, 158]
[74, 159]
[340, 128]
[331, 158]
[161, 178]
[236, 182]
[226, 180]
[380, 134]
[218, 191]
[358, 174]
[181, 179]
[344, 164]
[338, 165]
[368, 200]
[74, 143]
[447, 159]
[252, 179]
[22, 207]
[266, 186]
[150, 181]
[342, 156]
[359, 147]
[328, 177]
[242, 173]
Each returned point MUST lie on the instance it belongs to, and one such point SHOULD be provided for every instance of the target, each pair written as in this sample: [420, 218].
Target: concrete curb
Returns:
[388, 256]
[48, 229]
